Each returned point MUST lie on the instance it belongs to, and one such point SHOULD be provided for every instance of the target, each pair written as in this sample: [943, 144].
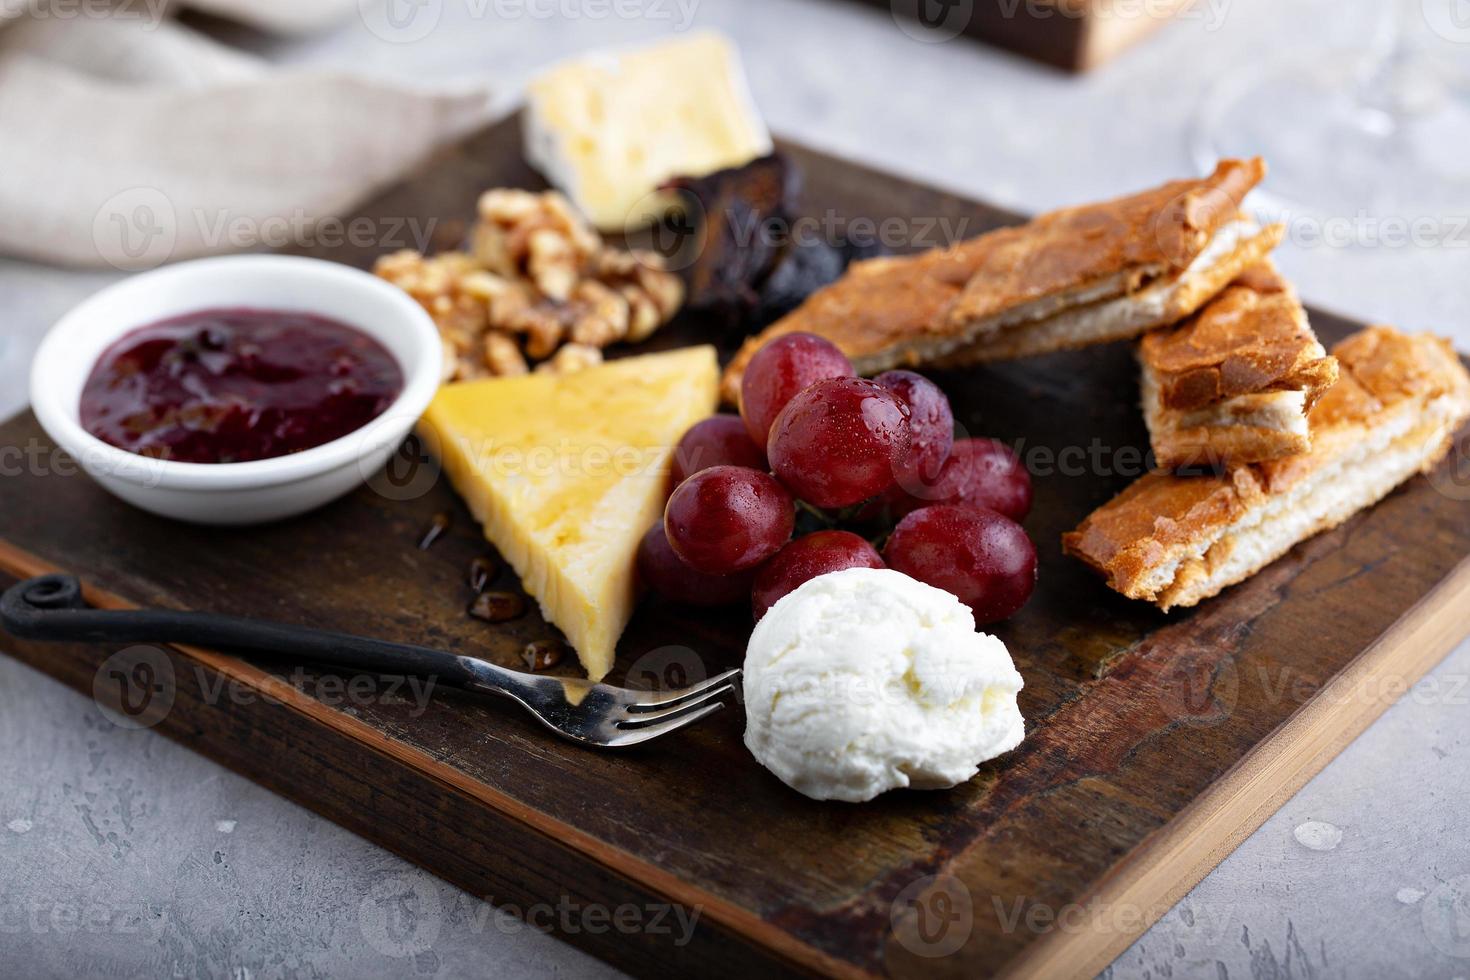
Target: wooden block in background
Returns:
[1074, 35]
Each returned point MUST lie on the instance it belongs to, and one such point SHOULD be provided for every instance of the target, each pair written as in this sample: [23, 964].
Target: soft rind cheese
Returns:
[866, 680]
[607, 129]
[566, 473]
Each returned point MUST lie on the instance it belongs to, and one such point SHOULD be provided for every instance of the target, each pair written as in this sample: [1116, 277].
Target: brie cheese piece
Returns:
[608, 128]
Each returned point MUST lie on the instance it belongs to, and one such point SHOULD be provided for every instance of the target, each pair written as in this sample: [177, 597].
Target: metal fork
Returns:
[51, 607]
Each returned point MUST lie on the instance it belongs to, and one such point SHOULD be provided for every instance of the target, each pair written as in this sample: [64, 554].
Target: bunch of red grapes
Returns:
[849, 449]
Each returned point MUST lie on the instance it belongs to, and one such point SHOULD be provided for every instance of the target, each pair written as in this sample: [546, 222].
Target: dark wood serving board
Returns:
[1155, 743]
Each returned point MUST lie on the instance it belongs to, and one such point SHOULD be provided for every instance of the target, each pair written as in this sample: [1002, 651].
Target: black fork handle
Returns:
[51, 607]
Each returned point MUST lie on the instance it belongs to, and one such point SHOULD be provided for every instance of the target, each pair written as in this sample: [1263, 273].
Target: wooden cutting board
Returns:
[1155, 743]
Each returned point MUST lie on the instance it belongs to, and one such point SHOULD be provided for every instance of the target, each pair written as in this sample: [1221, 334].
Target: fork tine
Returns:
[632, 736]
[668, 698]
[631, 717]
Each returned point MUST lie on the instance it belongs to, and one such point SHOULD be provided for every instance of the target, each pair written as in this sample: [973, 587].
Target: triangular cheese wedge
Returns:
[566, 473]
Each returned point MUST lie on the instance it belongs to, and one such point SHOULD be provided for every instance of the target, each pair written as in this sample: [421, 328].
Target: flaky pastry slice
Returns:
[1078, 276]
[1234, 383]
[1175, 540]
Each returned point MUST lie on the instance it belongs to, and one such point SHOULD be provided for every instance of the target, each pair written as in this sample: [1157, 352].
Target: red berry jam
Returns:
[232, 385]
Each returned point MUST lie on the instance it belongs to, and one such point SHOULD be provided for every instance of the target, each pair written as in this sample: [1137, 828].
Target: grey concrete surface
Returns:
[124, 854]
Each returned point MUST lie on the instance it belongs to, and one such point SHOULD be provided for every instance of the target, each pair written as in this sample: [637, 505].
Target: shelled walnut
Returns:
[538, 283]
[536, 236]
[503, 356]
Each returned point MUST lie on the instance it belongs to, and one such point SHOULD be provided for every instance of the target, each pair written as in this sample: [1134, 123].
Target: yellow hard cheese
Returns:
[566, 473]
[608, 128]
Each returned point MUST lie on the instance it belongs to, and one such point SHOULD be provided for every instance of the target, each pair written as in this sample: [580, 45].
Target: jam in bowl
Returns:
[238, 390]
[234, 385]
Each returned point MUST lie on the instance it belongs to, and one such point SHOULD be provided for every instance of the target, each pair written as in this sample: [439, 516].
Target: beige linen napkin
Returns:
[130, 140]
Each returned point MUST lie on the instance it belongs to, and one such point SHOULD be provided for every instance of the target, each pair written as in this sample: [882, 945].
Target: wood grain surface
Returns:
[1155, 743]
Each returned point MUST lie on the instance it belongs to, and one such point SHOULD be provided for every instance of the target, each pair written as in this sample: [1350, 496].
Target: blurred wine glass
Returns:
[1381, 131]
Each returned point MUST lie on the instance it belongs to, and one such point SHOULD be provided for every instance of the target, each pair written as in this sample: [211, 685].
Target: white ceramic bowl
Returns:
[260, 490]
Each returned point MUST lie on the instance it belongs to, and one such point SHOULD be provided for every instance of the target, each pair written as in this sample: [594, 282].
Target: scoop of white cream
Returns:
[866, 680]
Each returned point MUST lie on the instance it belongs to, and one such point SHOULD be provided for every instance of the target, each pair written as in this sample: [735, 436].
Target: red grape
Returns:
[979, 473]
[665, 573]
[930, 421]
[840, 441]
[720, 440]
[804, 559]
[728, 518]
[779, 370]
[982, 557]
